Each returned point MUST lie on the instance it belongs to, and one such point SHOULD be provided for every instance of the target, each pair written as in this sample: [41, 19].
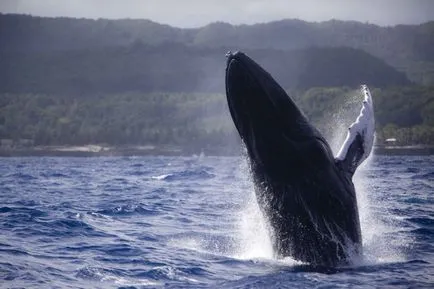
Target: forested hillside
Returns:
[406, 47]
[201, 120]
[178, 68]
[135, 82]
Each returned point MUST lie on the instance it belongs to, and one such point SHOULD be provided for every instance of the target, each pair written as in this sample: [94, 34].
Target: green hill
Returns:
[197, 121]
[179, 68]
[405, 47]
[70, 81]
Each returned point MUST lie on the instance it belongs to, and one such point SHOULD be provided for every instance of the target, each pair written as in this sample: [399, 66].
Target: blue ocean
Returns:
[193, 222]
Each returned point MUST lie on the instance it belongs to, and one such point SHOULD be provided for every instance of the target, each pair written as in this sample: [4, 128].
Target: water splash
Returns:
[253, 238]
[340, 120]
[379, 245]
[254, 235]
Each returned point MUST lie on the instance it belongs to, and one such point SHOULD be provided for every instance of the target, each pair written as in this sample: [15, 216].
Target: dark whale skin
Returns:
[306, 195]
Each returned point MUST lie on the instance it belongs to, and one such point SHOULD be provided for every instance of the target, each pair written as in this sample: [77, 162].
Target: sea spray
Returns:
[254, 235]
[377, 225]
[377, 244]
[340, 120]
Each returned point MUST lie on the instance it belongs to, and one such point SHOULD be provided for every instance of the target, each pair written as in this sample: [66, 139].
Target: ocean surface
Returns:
[192, 222]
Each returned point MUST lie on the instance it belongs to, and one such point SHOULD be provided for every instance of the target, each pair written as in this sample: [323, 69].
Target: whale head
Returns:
[269, 122]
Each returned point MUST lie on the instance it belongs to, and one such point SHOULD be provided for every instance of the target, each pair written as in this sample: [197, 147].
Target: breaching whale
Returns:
[306, 194]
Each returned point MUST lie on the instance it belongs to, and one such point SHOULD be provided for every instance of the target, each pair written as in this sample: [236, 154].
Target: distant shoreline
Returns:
[404, 150]
[108, 151]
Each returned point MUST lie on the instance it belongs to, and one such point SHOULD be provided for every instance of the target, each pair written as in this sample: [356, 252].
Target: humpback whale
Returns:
[305, 193]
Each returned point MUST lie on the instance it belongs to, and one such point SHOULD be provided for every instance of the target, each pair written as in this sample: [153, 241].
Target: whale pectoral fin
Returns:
[360, 138]
[354, 155]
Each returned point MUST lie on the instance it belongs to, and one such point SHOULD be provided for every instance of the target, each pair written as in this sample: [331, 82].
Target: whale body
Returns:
[305, 193]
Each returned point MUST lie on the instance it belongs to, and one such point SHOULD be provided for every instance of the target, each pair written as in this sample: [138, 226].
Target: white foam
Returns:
[378, 247]
[161, 177]
[254, 238]
[252, 234]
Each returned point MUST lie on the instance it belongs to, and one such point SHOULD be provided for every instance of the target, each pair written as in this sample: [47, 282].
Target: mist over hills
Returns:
[23, 32]
[134, 52]
[179, 68]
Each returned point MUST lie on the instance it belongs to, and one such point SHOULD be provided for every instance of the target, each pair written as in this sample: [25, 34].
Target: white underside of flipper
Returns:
[363, 126]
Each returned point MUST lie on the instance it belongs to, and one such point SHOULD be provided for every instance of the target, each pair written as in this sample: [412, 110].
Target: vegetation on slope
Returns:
[202, 120]
[178, 68]
[406, 47]
[70, 81]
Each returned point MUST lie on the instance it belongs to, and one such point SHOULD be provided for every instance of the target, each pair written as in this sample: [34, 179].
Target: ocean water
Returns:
[192, 222]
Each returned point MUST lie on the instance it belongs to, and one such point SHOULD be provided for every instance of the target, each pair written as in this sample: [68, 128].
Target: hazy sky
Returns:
[193, 13]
